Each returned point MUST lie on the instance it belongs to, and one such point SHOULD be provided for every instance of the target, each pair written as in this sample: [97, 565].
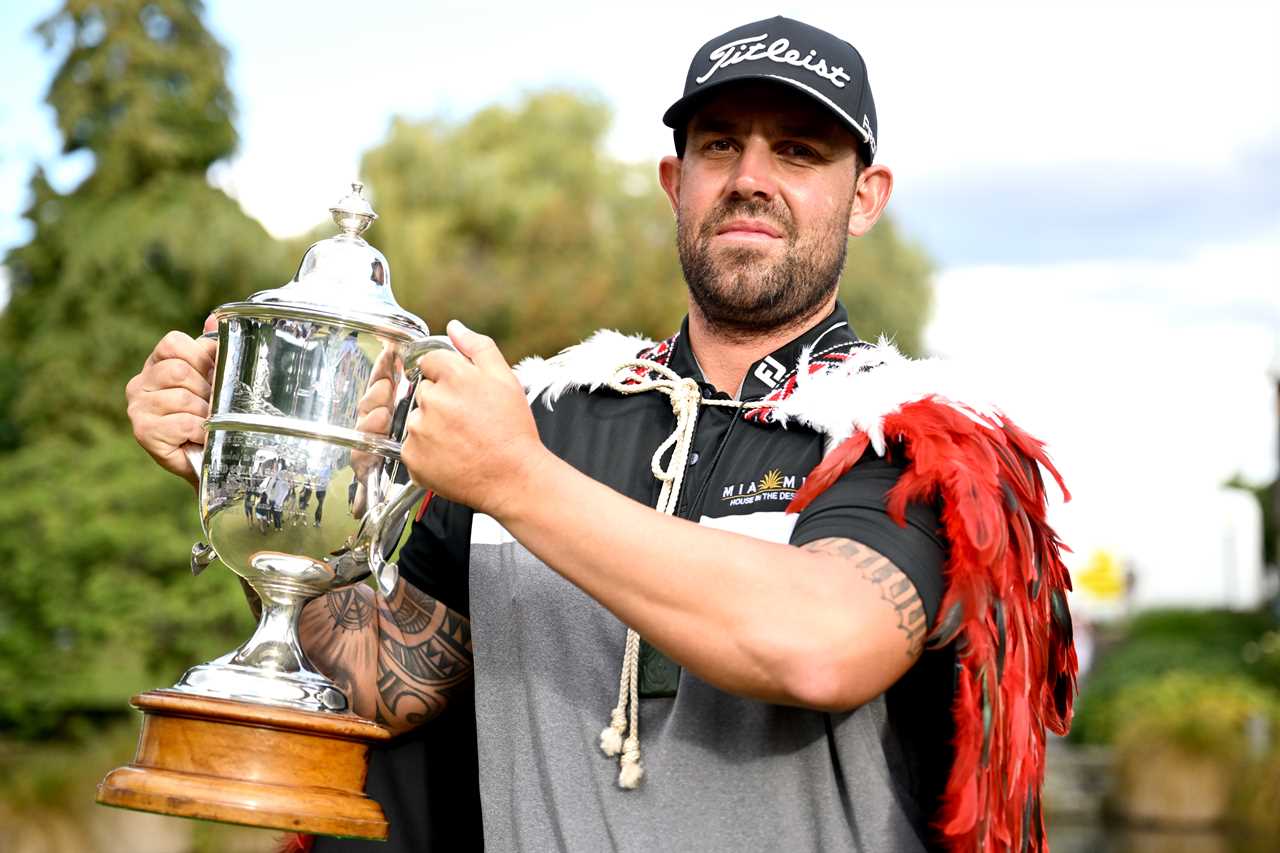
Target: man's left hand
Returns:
[472, 438]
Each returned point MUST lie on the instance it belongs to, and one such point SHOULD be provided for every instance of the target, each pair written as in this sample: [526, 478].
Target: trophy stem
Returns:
[271, 667]
[275, 645]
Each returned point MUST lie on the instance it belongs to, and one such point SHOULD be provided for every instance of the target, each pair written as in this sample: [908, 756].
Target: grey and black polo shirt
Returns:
[722, 772]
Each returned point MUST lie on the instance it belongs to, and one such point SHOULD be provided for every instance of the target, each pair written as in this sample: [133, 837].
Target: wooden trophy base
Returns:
[240, 762]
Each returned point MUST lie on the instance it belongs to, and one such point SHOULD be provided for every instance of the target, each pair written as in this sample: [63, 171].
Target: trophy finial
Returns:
[353, 213]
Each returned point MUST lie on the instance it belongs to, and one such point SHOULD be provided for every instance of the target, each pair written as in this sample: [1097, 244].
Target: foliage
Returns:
[95, 600]
[106, 276]
[47, 798]
[1184, 687]
[517, 222]
[1205, 729]
[142, 87]
[1201, 714]
[59, 776]
[1263, 654]
[1210, 643]
[886, 287]
[1259, 799]
[97, 603]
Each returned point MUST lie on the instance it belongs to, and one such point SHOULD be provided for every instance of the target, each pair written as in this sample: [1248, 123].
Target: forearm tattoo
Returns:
[425, 652]
[350, 610]
[894, 587]
[398, 659]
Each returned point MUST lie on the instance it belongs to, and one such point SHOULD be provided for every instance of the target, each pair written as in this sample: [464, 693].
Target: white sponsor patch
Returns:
[769, 526]
[485, 530]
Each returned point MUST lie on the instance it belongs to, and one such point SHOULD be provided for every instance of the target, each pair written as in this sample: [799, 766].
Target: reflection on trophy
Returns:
[299, 496]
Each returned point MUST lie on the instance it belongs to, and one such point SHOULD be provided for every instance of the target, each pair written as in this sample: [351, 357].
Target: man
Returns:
[322, 488]
[777, 660]
[277, 491]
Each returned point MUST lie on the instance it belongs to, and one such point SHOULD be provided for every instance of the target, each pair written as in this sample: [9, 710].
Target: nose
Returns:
[753, 175]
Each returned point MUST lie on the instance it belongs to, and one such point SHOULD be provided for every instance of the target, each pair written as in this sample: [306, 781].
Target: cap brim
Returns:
[679, 113]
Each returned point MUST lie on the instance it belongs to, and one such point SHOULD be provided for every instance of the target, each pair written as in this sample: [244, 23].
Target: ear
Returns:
[869, 199]
[669, 177]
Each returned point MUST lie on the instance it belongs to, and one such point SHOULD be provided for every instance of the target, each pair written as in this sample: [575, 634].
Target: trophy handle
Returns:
[195, 455]
[202, 554]
[418, 349]
[193, 451]
[388, 521]
[388, 524]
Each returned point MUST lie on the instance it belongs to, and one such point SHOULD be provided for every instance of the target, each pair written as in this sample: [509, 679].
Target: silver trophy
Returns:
[301, 493]
[301, 487]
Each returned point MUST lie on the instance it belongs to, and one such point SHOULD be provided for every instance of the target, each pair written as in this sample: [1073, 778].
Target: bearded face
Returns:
[749, 289]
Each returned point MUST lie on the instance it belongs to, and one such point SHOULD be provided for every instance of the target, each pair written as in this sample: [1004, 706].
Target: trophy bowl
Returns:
[301, 493]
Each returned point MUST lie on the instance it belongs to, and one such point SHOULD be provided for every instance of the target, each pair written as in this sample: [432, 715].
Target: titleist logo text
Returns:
[753, 47]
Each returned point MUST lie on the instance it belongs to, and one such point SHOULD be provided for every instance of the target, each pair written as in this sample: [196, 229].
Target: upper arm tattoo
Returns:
[424, 655]
[895, 587]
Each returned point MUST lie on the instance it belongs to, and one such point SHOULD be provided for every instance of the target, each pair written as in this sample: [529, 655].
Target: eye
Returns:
[722, 144]
[798, 149]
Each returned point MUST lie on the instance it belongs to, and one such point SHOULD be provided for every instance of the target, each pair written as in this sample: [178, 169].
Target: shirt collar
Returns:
[832, 334]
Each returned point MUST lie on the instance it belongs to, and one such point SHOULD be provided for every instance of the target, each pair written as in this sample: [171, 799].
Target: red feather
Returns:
[422, 510]
[962, 789]
[830, 469]
[295, 843]
[1004, 607]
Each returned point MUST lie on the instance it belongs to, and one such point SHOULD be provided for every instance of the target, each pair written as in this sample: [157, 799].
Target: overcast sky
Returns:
[1098, 185]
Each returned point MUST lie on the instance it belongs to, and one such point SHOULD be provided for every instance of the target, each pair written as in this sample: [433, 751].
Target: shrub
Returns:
[1200, 714]
[1213, 643]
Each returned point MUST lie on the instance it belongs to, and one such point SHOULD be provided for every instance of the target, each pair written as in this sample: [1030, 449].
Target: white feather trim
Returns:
[856, 394]
[875, 382]
[588, 365]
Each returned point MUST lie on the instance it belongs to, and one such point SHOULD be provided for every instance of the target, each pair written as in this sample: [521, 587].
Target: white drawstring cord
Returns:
[634, 377]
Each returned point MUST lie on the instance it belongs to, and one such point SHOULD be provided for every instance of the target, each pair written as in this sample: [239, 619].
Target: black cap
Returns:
[811, 60]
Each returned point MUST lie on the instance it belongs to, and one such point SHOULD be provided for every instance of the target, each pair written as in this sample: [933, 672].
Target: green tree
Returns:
[886, 287]
[95, 600]
[518, 222]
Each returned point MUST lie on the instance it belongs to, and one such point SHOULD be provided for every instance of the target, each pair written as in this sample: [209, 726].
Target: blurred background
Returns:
[1087, 210]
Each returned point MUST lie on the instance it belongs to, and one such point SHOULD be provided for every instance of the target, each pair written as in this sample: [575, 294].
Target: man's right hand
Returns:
[168, 400]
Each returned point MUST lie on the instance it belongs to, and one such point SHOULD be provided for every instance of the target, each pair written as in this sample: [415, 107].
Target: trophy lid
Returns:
[344, 275]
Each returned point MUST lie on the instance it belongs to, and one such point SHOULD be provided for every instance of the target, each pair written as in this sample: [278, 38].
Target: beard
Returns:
[741, 293]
